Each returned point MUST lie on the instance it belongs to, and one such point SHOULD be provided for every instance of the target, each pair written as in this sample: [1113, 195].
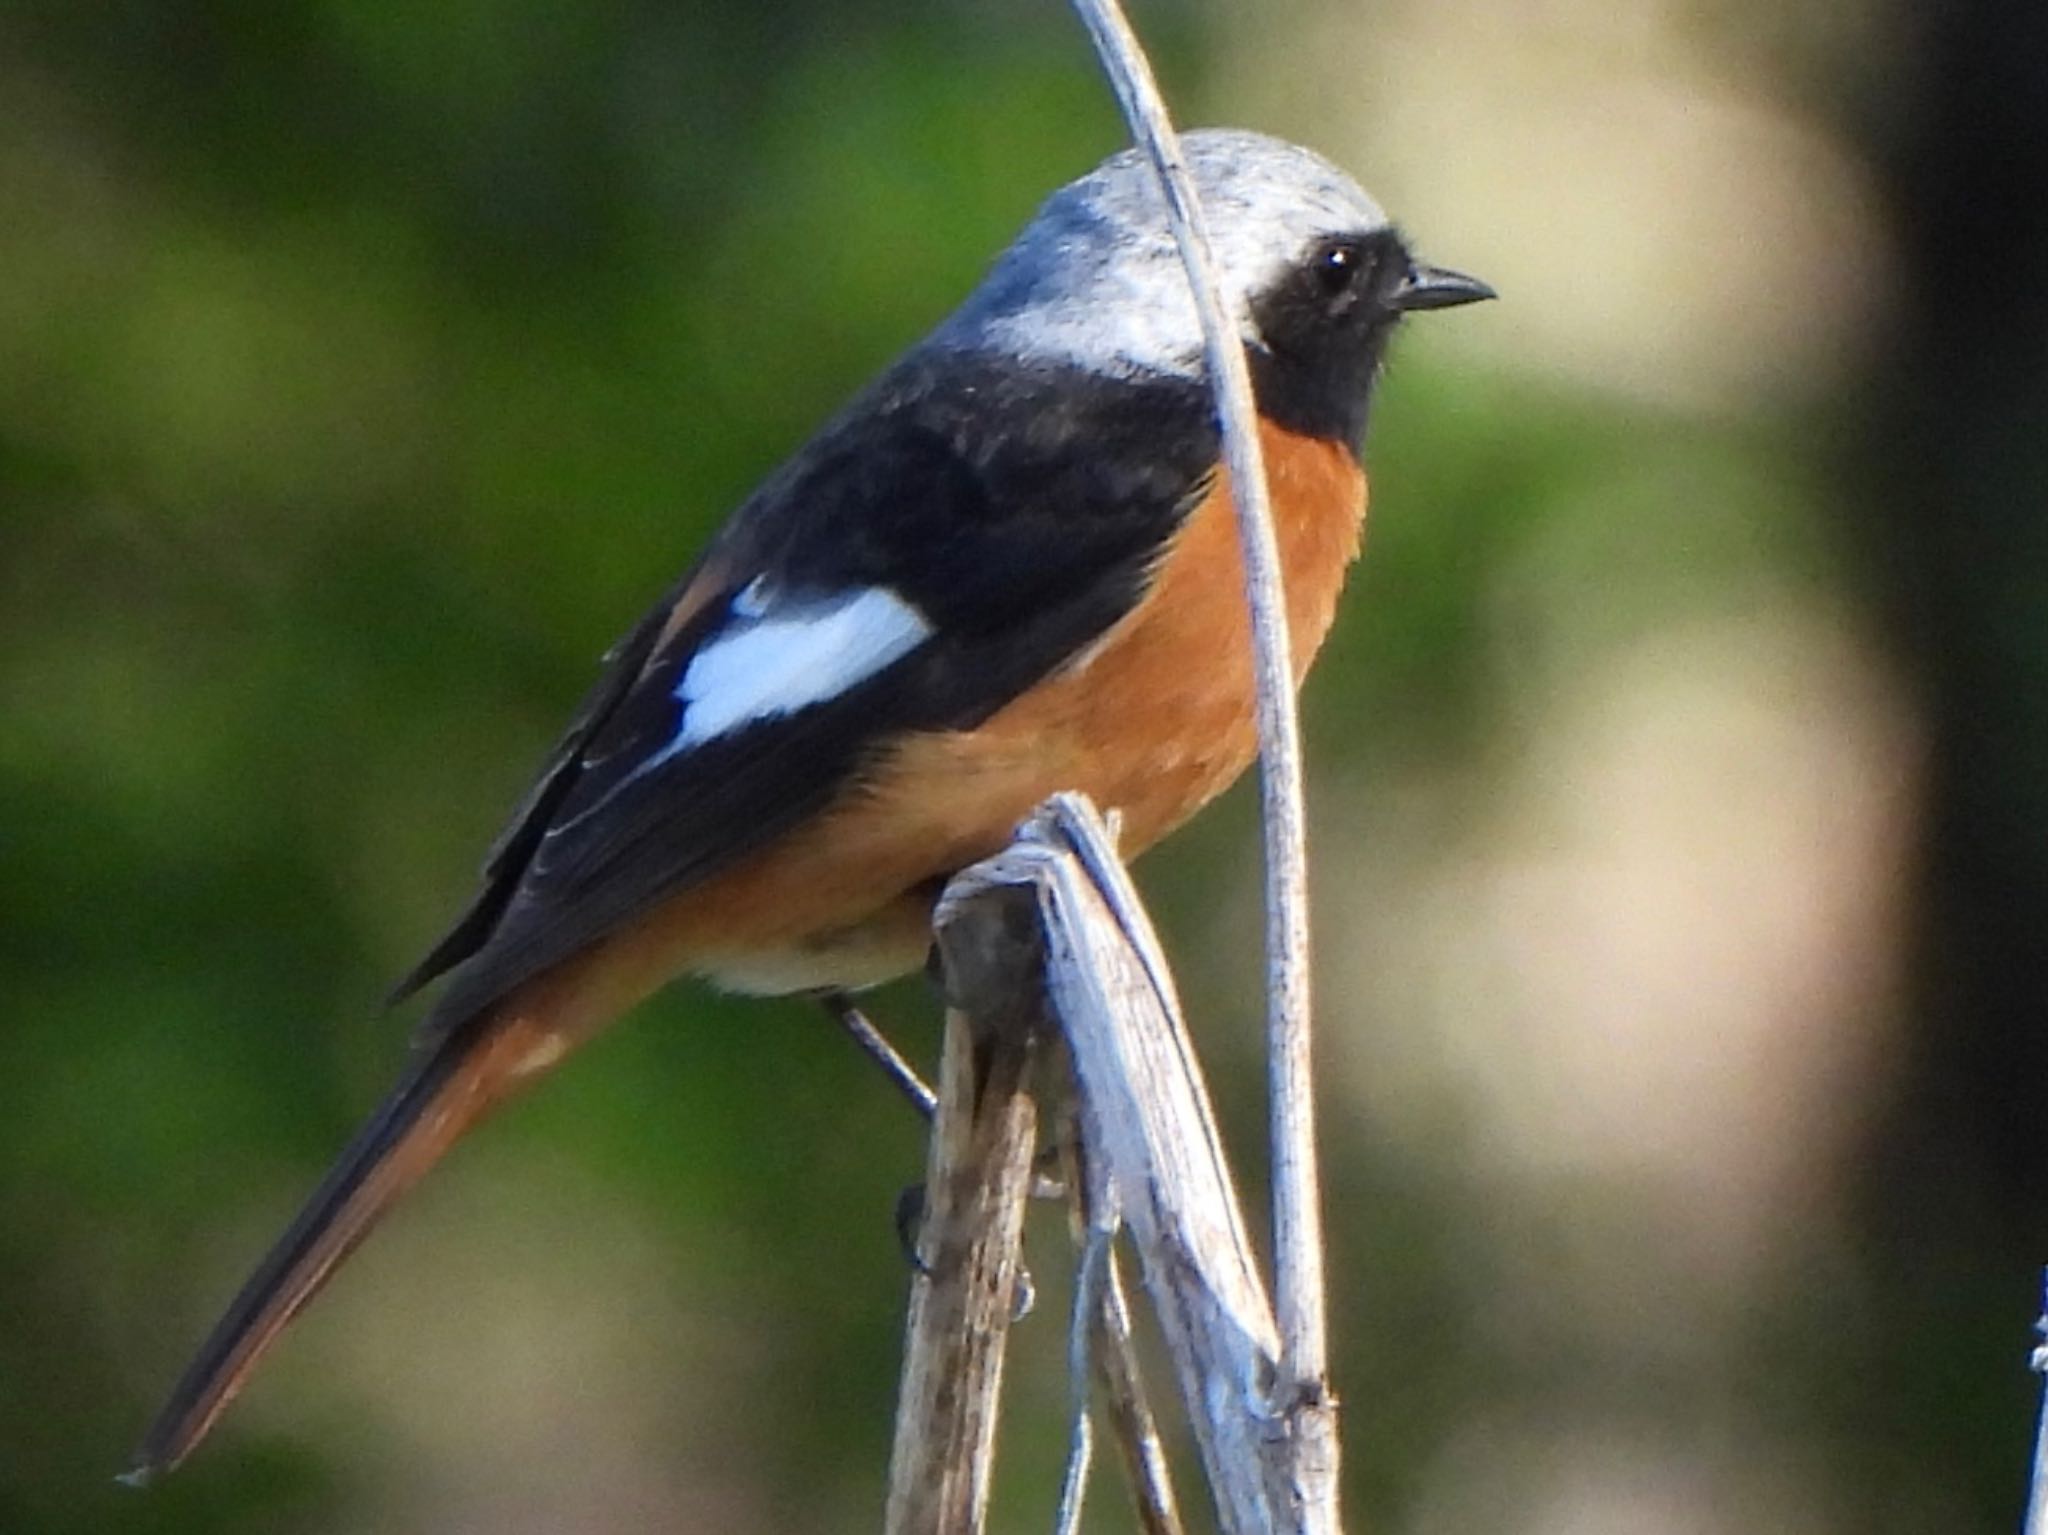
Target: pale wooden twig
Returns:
[1088, 1300]
[1099, 1342]
[1092, 1217]
[2037, 1491]
[1297, 1201]
[1137, 1431]
[1148, 1133]
[964, 1295]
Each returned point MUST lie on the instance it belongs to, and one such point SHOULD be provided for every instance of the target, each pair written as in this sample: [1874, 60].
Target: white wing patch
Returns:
[775, 657]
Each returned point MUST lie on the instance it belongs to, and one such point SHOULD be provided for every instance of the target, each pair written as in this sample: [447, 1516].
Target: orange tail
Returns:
[445, 1091]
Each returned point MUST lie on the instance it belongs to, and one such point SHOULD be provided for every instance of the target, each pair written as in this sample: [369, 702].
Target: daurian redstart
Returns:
[1008, 567]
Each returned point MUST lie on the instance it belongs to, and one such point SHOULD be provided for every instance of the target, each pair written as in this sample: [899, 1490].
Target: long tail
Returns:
[444, 1091]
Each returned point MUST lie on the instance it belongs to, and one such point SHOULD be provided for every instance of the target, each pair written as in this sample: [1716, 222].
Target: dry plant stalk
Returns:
[978, 1178]
[1111, 1353]
[1255, 1386]
[2037, 1489]
[1301, 1390]
[1297, 1202]
[1149, 1138]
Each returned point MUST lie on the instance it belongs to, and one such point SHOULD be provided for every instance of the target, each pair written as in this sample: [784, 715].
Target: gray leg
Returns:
[849, 1017]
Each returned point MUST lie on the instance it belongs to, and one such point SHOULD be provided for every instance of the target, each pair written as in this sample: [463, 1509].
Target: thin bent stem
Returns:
[1297, 1203]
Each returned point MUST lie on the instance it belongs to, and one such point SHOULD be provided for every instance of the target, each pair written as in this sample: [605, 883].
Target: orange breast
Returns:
[1154, 720]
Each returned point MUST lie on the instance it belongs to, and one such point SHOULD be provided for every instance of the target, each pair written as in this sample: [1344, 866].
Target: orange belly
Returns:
[1153, 720]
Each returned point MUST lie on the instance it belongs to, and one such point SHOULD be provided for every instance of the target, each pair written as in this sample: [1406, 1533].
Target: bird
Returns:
[1008, 567]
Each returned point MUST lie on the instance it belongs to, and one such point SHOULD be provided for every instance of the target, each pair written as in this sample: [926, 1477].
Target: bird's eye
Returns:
[1337, 268]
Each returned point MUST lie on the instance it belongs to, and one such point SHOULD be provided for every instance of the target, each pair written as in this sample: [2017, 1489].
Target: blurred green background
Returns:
[1680, 760]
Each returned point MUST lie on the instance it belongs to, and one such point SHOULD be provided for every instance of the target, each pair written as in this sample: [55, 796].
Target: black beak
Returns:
[1435, 287]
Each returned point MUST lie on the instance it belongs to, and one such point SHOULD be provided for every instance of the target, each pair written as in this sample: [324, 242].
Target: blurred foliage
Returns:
[364, 369]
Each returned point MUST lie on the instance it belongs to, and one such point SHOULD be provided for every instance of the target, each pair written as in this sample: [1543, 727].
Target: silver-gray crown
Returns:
[1095, 279]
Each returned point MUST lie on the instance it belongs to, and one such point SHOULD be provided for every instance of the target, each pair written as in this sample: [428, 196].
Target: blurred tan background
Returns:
[1679, 762]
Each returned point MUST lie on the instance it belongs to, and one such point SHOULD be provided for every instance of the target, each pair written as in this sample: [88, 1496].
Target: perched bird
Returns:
[1008, 567]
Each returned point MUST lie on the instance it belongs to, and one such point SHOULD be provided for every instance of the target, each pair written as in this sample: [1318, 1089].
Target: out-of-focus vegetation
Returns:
[1680, 759]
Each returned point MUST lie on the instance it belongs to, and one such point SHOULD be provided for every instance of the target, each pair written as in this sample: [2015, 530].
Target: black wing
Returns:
[1019, 513]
